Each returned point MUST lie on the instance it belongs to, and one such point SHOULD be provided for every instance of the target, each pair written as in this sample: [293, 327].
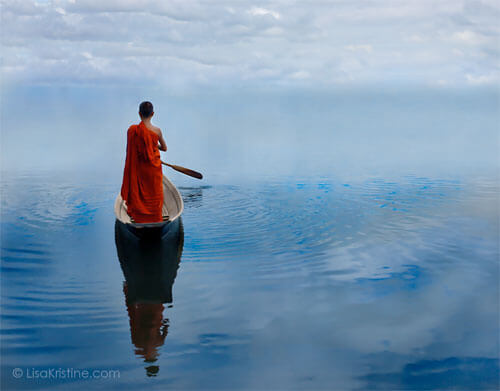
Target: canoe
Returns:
[173, 207]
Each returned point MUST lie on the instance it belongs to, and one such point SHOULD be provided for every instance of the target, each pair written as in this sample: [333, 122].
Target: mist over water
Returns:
[251, 134]
[338, 240]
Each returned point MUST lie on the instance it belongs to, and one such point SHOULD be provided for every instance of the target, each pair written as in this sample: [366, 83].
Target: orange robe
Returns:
[142, 187]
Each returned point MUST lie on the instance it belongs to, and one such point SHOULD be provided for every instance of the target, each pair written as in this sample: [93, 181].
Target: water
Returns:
[310, 284]
[308, 276]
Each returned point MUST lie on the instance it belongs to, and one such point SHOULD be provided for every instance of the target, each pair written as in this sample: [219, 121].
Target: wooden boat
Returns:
[173, 207]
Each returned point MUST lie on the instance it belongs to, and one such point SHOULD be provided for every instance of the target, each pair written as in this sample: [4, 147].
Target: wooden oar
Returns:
[187, 171]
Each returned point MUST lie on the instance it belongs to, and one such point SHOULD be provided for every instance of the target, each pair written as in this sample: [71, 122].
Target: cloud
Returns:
[359, 48]
[257, 11]
[469, 37]
[300, 75]
[225, 43]
[417, 38]
[483, 79]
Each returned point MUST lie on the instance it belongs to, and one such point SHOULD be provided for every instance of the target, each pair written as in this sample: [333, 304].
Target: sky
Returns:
[257, 86]
[197, 43]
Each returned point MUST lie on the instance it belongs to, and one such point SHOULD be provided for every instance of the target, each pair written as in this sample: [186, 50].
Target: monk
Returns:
[148, 329]
[142, 188]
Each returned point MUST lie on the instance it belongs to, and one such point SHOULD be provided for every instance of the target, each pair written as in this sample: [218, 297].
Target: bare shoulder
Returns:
[156, 129]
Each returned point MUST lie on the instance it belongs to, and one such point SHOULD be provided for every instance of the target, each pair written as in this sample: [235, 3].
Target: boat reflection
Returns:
[149, 264]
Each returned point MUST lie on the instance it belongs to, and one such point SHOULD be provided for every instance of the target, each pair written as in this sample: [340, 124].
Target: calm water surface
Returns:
[317, 282]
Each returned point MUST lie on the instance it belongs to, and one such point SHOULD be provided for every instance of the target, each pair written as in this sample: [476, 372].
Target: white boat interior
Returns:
[172, 207]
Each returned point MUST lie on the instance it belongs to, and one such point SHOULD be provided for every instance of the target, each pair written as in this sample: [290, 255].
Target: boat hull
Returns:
[157, 232]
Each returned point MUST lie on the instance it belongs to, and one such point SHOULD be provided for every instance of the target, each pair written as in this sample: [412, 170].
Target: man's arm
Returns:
[161, 140]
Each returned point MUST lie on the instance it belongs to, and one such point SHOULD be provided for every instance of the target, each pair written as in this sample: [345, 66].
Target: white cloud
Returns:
[468, 37]
[359, 48]
[417, 38]
[256, 11]
[482, 79]
[300, 75]
[317, 43]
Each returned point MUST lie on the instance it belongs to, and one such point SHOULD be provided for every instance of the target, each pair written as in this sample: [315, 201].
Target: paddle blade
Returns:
[187, 171]
[184, 170]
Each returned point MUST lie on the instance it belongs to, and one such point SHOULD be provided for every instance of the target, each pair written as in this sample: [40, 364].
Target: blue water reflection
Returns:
[149, 262]
[313, 283]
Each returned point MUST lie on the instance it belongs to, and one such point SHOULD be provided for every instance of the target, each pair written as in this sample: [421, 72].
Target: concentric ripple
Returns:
[251, 251]
[280, 228]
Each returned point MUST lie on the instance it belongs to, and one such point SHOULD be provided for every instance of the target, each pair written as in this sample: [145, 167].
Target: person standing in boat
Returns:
[142, 188]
